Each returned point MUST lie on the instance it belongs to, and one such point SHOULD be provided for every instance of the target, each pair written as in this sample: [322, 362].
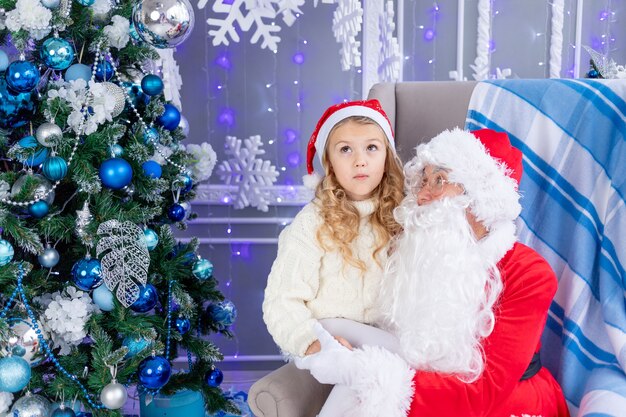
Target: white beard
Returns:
[439, 288]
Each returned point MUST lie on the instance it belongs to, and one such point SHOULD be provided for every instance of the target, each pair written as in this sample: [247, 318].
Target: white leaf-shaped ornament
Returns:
[126, 260]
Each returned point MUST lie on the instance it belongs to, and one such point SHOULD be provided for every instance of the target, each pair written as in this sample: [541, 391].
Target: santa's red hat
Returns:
[337, 113]
[484, 162]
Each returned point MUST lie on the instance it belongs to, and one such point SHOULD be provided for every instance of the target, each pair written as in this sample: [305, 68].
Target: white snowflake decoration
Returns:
[172, 81]
[126, 259]
[289, 9]
[347, 22]
[389, 58]
[254, 13]
[249, 173]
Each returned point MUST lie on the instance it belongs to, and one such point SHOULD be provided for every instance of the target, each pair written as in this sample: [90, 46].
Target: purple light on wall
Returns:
[290, 136]
[230, 2]
[492, 46]
[223, 61]
[429, 34]
[434, 11]
[604, 14]
[226, 117]
[298, 58]
[293, 159]
[225, 199]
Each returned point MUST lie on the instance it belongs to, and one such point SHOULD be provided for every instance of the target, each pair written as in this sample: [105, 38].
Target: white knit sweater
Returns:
[307, 284]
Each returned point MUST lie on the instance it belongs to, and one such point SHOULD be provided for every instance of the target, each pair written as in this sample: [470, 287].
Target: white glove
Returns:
[334, 364]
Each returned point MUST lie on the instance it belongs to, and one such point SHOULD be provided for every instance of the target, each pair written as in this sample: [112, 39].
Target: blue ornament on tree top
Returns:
[152, 85]
[15, 109]
[57, 53]
[182, 325]
[152, 169]
[104, 71]
[22, 76]
[78, 72]
[152, 238]
[39, 209]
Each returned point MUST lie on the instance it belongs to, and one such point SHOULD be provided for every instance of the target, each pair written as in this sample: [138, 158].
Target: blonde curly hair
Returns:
[340, 217]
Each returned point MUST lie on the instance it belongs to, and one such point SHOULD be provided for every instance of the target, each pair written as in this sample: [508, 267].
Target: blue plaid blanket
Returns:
[573, 137]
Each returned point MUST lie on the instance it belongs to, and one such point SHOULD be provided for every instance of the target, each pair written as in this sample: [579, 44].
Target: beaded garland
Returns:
[19, 290]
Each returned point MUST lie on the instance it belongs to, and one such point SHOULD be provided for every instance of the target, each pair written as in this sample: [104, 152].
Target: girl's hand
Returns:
[343, 342]
[314, 348]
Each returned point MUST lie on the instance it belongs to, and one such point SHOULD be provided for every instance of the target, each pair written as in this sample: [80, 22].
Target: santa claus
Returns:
[466, 302]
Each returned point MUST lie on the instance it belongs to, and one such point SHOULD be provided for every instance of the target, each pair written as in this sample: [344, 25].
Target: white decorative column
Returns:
[372, 10]
[579, 35]
[556, 38]
[482, 62]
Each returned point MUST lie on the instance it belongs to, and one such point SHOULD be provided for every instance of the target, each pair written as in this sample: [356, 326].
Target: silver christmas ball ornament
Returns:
[48, 134]
[163, 23]
[22, 335]
[114, 395]
[49, 258]
[118, 94]
[31, 405]
[40, 190]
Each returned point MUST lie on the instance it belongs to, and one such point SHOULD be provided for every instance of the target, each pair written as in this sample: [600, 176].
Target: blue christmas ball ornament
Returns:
[132, 30]
[39, 209]
[57, 53]
[134, 92]
[104, 71]
[22, 76]
[16, 109]
[214, 378]
[4, 61]
[63, 412]
[87, 274]
[14, 374]
[154, 372]
[86, 2]
[116, 173]
[54, 168]
[186, 182]
[147, 299]
[135, 345]
[6, 253]
[151, 135]
[170, 117]
[78, 72]
[182, 325]
[51, 4]
[202, 269]
[176, 212]
[152, 169]
[117, 150]
[152, 85]
[151, 237]
[223, 313]
[36, 158]
[103, 298]
[83, 414]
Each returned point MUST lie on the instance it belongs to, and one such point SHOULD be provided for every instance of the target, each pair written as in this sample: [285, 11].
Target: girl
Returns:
[330, 258]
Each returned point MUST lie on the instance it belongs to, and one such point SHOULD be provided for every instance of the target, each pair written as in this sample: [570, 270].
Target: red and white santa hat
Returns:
[335, 114]
[484, 162]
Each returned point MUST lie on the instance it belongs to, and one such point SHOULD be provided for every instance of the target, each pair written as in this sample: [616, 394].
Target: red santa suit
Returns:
[529, 286]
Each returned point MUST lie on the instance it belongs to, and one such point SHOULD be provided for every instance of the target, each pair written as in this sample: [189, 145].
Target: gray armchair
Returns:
[418, 110]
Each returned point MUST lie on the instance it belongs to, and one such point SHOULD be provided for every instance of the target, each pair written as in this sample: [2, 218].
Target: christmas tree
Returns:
[96, 294]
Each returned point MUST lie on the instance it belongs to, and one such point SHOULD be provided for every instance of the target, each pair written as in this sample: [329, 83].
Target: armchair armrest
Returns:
[287, 392]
